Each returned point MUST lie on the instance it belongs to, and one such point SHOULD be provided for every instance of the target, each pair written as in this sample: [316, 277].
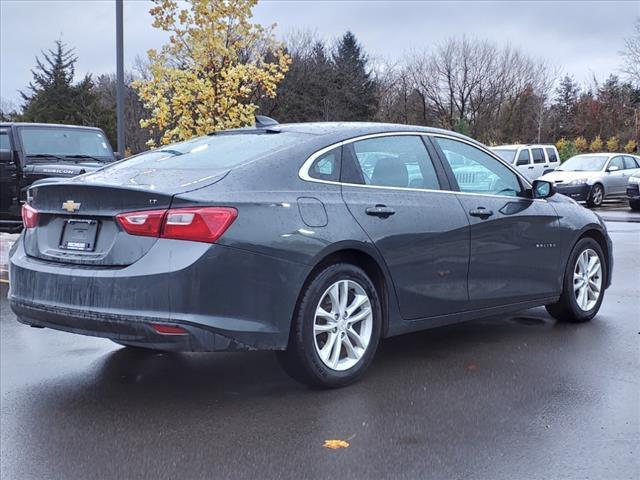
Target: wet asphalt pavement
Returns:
[516, 397]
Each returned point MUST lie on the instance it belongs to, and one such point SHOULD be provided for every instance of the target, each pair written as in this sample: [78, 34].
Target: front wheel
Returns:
[583, 286]
[336, 328]
[596, 196]
[634, 204]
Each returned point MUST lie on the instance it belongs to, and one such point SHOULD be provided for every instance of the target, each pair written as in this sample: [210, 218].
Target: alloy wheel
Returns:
[342, 325]
[587, 279]
[597, 195]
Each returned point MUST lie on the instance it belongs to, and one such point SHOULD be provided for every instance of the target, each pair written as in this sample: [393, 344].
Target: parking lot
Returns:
[513, 397]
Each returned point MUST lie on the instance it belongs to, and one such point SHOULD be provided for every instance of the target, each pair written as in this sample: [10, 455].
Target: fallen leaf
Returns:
[335, 444]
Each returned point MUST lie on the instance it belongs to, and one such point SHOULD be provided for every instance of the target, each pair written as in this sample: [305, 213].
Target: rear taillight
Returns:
[147, 223]
[204, 224]
[29, 216]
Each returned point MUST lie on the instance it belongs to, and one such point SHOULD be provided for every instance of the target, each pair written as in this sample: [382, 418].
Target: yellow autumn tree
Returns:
[214, 68]
[613, 144]
[596, 145]
[581, 144]
[631, 146]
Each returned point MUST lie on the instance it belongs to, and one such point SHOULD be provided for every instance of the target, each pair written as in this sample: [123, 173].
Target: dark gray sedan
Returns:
[314, 240]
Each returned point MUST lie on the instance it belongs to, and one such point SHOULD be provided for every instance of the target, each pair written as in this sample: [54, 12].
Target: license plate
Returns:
[79, 235]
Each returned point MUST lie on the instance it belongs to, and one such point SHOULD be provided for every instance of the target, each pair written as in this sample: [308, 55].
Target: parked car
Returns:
[533, 161]
[33, 151]
[633, 191]
[592, 177]
[314, 240]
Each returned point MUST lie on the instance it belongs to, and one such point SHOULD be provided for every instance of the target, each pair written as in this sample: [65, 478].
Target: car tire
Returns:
[310, 356]
[596, 196]
[571, 306]
[634, 205]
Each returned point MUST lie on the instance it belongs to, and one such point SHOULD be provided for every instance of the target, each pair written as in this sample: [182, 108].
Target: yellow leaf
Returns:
[335, 444]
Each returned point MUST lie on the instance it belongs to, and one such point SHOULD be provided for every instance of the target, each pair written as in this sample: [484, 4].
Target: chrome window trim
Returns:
[303, 172]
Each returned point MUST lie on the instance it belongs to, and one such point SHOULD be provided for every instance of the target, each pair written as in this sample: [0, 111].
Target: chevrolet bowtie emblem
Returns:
[70, 206]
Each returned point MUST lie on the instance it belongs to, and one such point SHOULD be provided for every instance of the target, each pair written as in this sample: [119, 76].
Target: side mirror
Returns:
[542, 189]
[613, 168]
[118, 155]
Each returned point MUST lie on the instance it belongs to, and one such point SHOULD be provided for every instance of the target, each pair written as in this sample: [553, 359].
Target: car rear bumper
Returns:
[579, 193]
[224, 298]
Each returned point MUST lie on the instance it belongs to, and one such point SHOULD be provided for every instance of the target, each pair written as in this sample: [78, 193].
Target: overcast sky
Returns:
[578, 37]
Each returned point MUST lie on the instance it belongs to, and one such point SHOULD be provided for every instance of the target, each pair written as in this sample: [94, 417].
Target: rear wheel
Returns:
[634, 204]
[583, 287]
[596, 196]
[336, 328]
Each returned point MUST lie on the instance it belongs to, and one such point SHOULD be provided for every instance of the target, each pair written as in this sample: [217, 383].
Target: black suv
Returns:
[33, 151]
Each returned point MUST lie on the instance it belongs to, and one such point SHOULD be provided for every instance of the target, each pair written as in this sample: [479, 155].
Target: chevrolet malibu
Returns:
[313, 240]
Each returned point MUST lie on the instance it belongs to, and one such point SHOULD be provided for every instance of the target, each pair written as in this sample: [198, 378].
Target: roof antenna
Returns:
[263, 121]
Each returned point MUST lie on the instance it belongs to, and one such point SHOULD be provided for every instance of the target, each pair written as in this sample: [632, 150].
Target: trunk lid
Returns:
[77, 217]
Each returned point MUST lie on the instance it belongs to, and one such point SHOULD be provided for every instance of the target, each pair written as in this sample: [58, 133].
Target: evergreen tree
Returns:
[355, 90]
[567, 95]
[52, 97]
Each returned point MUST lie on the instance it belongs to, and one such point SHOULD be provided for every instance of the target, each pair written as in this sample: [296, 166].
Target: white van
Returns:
[532, 160]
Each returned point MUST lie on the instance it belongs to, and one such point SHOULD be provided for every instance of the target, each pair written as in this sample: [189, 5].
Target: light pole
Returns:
[119, 79]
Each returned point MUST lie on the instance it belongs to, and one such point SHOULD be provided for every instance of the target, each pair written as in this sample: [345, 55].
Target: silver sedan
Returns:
[593, 177]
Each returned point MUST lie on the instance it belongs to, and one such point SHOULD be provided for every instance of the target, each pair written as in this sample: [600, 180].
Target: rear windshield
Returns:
[64, 142]
[505, 154]
[211, 152]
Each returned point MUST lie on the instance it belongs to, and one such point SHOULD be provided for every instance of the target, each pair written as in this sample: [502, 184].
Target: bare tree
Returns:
[631, 56]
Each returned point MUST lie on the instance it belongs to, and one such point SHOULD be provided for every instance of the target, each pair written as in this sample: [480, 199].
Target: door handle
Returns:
[380, 211]
[481, 212]
[531, 167]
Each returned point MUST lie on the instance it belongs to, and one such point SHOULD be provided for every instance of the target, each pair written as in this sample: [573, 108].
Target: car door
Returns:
[515, 244]
[540, 163]
[615, 176]
[524, 164]
[631, 167]
[396, 192]
[552, 157]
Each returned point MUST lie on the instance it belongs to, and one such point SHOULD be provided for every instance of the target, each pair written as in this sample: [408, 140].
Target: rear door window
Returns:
[630, 162]
[524, 157]
[393, 161]
[551, 153]
[538, 155]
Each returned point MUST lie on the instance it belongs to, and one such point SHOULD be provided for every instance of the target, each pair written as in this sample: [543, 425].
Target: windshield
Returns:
[584, 163]
[505, 154]
[217, 151]
[75, 143]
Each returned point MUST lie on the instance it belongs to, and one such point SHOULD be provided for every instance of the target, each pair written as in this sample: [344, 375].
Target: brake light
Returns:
[29, 216]
[203, 224]
[206, 224]
[147, 223]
